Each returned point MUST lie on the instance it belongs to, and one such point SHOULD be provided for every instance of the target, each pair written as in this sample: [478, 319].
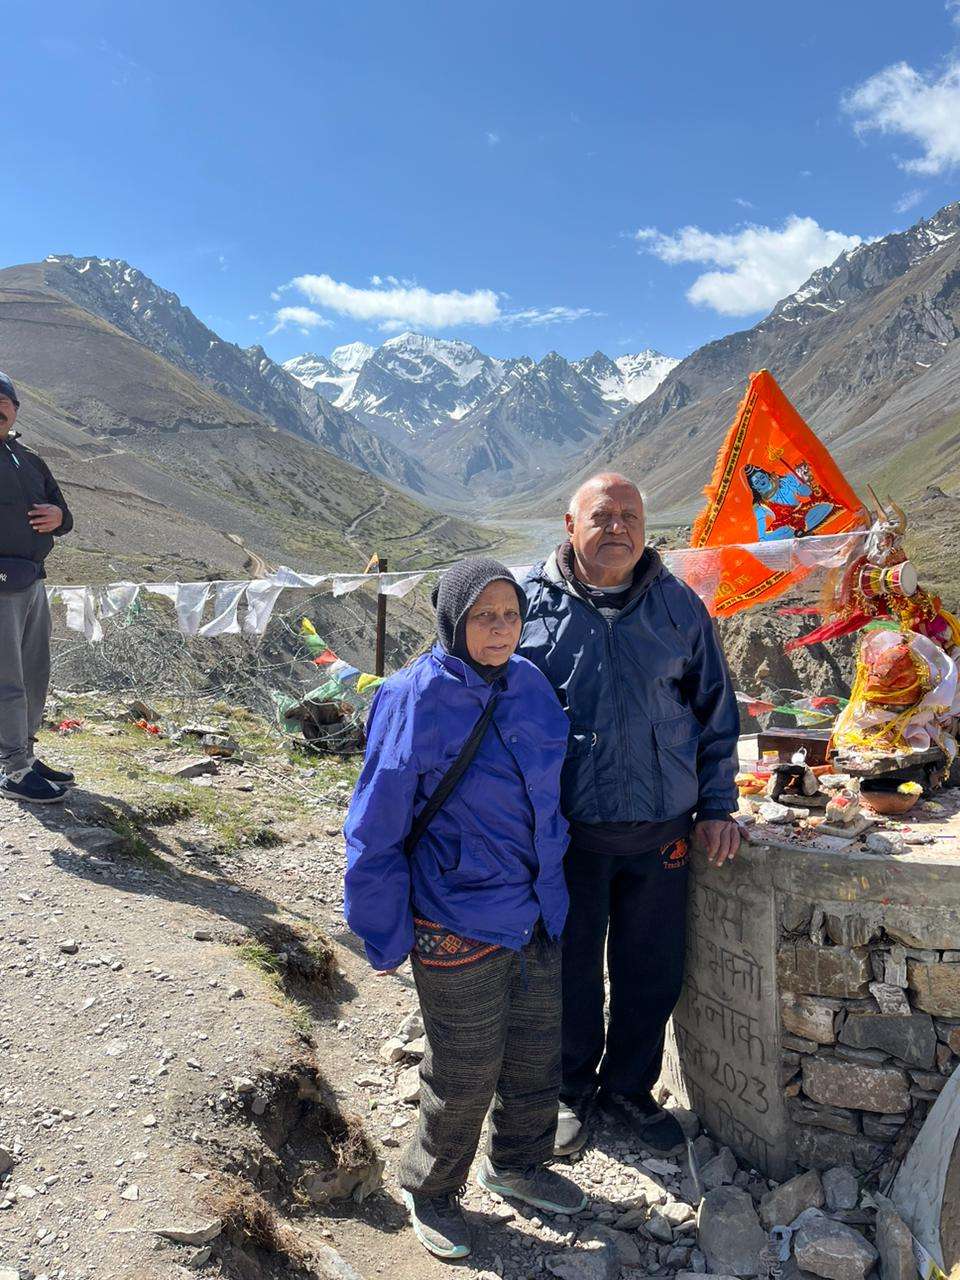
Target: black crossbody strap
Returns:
[445, 786]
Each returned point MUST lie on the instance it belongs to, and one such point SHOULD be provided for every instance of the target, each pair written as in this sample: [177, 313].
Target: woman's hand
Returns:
[384, 973]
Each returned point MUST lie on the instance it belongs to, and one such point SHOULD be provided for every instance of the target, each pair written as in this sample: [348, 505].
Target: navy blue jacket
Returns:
[490, 864]
[653, 715]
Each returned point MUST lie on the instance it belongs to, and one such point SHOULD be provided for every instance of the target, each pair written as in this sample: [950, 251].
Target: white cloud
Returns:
[953, 9]
[547, 315]
[909, 200]
[403, 303]
[757, 265]
[744, 204]
[926, 109]
[493, 139]
[395, 304]
[305, 318]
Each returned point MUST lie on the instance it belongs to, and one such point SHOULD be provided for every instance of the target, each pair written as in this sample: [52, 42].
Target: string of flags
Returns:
[337, 671]
[225, 607]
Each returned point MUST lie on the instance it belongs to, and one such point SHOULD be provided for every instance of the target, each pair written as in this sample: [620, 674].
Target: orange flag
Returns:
[773, 481]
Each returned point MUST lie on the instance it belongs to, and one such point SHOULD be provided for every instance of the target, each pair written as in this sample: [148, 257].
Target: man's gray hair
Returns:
[601, 480]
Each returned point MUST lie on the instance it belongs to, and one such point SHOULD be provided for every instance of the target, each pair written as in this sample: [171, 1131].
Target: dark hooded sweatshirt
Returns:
[25, 480]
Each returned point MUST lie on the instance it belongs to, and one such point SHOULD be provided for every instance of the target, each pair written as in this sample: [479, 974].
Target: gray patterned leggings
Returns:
[493, 1033]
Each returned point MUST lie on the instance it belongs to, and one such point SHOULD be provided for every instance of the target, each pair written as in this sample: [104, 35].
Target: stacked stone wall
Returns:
[820, 1017]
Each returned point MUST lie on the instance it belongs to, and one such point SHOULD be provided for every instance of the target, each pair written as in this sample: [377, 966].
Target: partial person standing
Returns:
[636, 664]
[32, 513]
[455, 845]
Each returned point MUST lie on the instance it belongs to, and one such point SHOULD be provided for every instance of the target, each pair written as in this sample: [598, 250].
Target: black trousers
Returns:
[634, 907]
[493, 1034]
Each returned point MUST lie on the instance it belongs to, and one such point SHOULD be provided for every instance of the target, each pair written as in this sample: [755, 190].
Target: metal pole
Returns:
[381, 621]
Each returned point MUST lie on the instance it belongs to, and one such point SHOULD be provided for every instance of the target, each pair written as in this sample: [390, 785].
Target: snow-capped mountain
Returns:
[626, 380]
[416, 390]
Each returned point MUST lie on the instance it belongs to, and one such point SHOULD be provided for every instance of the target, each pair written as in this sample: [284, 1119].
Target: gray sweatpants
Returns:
[24, 672]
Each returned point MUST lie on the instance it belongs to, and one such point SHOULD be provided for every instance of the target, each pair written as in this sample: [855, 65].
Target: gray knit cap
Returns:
[8, 389]
[456, 593]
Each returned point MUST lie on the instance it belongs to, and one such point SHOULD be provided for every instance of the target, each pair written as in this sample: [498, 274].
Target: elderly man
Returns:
[32, 513]
[634, 659]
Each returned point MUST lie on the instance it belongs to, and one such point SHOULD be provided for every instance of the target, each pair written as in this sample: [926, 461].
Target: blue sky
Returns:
[490, 165]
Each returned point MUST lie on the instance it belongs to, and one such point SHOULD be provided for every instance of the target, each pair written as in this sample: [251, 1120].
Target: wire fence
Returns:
[144, 655]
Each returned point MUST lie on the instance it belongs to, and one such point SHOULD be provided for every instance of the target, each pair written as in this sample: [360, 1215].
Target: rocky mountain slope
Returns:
[867, 349]
[482, 423]
[126, 298]
[161, 468]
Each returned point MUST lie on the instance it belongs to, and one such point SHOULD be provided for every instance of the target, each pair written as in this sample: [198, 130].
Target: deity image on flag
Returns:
[774, 483]
[787, 505]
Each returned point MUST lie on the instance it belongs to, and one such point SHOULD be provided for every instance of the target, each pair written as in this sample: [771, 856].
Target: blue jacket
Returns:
[653, 715]
[490, 864]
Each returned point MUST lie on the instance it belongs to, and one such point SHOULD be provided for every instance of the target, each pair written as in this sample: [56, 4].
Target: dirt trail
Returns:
[140, 1089]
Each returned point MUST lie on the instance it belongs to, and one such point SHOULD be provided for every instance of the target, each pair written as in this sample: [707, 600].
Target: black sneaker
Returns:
[59, 777]
[572, 1127]
[29, 786]
[654, 1128]
[439, 1224]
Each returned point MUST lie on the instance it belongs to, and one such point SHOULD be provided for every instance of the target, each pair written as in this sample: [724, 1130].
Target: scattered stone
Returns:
[416, 1048]
[149, 1121]
[878, 842]
[235, 993]
[782, 1206]
[130, 1193]
[833, 1250]
[847, 1084]
[70, 946]
[677, 1212]
[631, 1220]
[26, 1192]
[202, 1234]
[392, 1050]
[593, 1260]
[243, 1084]
[719, 1171]
[624, 1245]
[936, 988]
[6, 1161]
[199, 1258]
[659, 1228]
[772, 812]
[824, 971]
[202, 935]
[730, 1233]
[895, 1246]
[139, 710]
[808, 1017]
[912, 1039]
[663, 1168]
[841, 1187]
[410, 1028]
[408, 1085]
[195, 767]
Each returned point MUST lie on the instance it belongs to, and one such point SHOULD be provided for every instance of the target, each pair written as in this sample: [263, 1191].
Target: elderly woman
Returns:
[476, 898]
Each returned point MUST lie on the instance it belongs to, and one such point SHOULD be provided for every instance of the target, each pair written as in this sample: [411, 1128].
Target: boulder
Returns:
[780, 1207]
[895, 1245]
[408, 1085]
[849, 1084]
[730, 1233]
[833, 1250]
[841, 1187]
[910, 1038]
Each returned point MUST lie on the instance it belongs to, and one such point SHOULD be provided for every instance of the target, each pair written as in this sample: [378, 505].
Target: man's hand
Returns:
[384, 973]
[45, 517]
[720, 837]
